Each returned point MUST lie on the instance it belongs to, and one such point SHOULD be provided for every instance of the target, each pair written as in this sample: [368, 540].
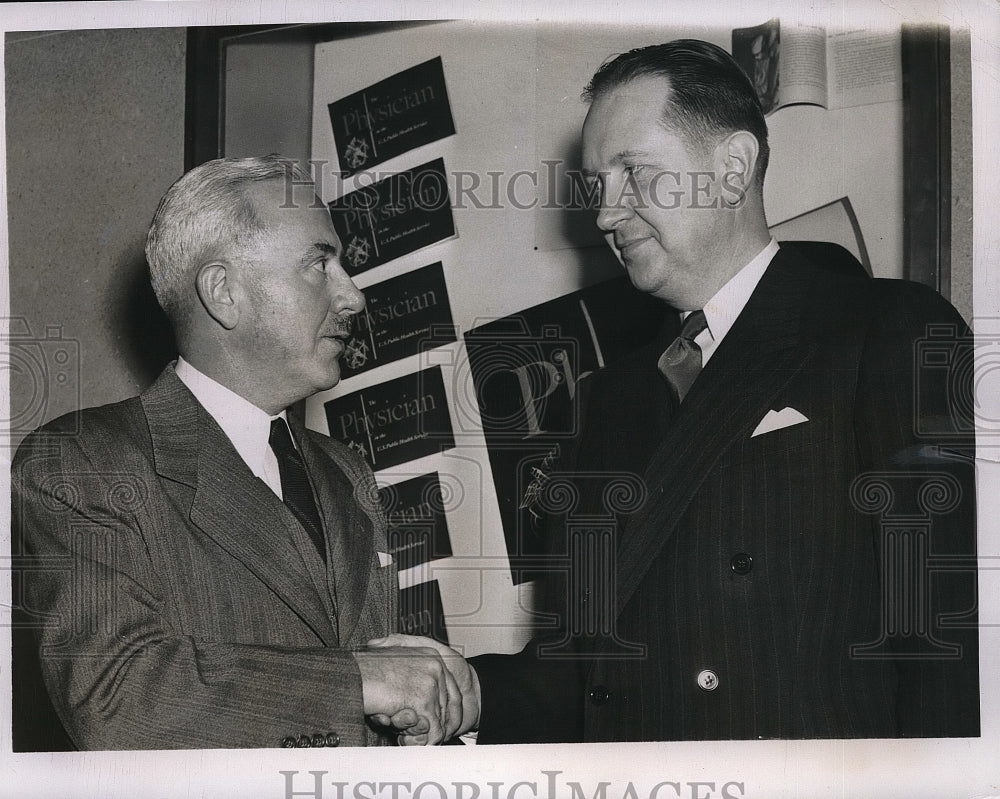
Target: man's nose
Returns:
[615, 207]
[347, 297]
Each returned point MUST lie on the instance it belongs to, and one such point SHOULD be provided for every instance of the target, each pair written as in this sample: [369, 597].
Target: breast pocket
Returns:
[802, 440]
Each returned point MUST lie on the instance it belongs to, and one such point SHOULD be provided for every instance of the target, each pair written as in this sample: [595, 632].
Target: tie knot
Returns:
[280, 438]
[693, 325]
[680, 363]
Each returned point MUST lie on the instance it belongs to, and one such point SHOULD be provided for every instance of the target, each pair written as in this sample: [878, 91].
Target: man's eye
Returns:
[321, 265]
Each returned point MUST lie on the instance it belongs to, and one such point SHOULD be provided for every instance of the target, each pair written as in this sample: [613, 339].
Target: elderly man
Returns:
[798, 470]
[210, 570]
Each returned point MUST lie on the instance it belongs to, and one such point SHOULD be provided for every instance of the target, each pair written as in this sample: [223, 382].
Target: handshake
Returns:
[420, 688]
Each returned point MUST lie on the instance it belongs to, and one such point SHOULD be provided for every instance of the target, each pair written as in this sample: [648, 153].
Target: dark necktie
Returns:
[681, 361]
[295, 487]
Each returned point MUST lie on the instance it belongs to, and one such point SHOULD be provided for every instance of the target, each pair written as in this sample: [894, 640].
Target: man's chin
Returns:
[330, 377]
[333, 379]
[642, 278]
[652, 284]
[331, 366]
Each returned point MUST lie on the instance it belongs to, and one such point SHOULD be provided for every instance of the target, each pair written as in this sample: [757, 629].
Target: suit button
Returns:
[288, 742]
[332, 739]
[741, 563]
[707, 680]
[318, 740]
[599, 694]
[304, 742]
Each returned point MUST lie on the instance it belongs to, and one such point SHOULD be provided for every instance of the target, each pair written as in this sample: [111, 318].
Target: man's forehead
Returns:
[642, 99]
[644, 90]
[277, 202]
[282, 193]
[622, 118]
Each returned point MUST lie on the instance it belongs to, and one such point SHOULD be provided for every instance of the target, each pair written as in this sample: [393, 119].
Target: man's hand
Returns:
[464, 675]
[409, 682]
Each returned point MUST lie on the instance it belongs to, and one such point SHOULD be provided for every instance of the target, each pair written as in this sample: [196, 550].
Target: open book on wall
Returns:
[808, 64]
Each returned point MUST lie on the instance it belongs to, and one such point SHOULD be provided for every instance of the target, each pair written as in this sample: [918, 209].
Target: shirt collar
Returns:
[245, 425]
[728, 302]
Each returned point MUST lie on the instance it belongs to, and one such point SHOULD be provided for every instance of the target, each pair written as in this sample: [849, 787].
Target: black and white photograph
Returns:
[506, 401]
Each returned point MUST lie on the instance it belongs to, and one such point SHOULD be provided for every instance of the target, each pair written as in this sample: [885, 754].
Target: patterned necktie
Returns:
[681, 361]
[295, 487]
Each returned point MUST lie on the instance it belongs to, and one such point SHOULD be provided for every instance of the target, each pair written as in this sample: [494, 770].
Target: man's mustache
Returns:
[343, 325]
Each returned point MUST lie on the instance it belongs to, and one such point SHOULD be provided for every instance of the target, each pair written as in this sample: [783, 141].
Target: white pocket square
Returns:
[775, 420]
[384, 559]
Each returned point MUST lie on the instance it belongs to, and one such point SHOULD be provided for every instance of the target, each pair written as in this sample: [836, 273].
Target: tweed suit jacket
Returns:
[759, 588]
[183, 604]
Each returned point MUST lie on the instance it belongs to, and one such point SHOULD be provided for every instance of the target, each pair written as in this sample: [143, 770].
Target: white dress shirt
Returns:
[729, 301]
[245, 425]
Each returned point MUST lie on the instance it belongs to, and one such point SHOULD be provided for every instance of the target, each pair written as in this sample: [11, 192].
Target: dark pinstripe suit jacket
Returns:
[185, 607]
[802, 638]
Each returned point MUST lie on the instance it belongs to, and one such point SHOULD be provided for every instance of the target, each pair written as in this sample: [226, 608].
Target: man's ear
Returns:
[216, 294]
[738, 152]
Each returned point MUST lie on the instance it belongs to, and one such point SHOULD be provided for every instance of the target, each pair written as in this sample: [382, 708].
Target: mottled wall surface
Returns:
[268, 103]
[961, 173]
[95, 135]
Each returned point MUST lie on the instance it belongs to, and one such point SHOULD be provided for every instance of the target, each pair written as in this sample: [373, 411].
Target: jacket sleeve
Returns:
[527, 698]
[120, 676]
[914, 430]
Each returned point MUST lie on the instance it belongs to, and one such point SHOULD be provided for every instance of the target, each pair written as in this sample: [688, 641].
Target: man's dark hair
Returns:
[710, 95]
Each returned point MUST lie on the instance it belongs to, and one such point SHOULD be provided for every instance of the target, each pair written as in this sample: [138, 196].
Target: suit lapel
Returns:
[230, 504]
[759, 356]
[350, 540]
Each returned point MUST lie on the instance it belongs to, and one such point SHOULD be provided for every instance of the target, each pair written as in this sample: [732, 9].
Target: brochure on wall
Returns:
[391, 117]
[399, 317]
[394, 422]
[393, 217]
[418, 530]
[421, 611]
[530, 371]
[808, 64]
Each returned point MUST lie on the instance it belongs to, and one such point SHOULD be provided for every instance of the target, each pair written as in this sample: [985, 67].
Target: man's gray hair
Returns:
[206, 214]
